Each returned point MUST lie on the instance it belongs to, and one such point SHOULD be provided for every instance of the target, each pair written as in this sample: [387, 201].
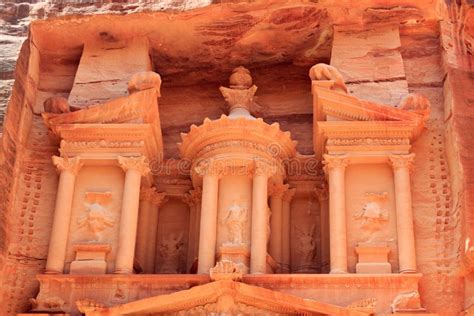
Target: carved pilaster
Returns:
[134, 163]
[72, 165]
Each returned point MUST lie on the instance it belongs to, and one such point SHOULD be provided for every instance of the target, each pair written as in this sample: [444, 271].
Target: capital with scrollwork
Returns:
[134, 163]
[193, 197]
[288, 195]
[152, 195]
[322, 192]
[262, 168]
[72, 165]
[332, 162]
[209, 167]
[277, 189]
[402, 161]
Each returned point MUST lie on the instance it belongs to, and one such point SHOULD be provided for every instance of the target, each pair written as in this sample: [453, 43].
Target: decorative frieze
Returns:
[79, 145]
[367, 141]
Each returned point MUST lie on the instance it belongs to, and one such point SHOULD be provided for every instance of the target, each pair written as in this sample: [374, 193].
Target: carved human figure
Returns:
[373, 214]
[306, 252]
[171, 252]
[96, 218]
[326, 72]
[234, 221]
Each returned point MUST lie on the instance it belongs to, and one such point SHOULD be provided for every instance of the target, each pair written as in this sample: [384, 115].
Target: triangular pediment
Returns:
[225, 296]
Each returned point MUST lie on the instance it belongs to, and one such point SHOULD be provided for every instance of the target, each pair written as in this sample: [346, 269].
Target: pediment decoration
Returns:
[361, 125]
[131, 122]
[224, 296]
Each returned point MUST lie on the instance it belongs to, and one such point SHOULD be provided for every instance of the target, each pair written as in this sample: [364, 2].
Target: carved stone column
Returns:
[401, 165]
[208, 221]
[286, 230]
[322, 195]
[276, 222]
[135, 168]
[258, 246]
[150, 201]
[193, 199]
[335, 167]
[69, 167]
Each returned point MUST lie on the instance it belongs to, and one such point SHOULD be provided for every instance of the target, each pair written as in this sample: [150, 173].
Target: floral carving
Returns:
[96, 218]
[402, 161]
[152, 195]
[134, 163]
[72, 165]
[335, 162]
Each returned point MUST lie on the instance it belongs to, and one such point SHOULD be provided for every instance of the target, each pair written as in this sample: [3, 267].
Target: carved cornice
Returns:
[367, 141]
[402, 161]
[134, 163]
[79, 145]
[332, 162]
[152, 195]
[72, 165]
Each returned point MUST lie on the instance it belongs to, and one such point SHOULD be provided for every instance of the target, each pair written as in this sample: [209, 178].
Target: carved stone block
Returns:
[90, 259]
[373, 258]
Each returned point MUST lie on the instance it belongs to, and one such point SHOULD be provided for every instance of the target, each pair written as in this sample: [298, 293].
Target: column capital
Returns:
[402, 161]
[322, 192]
[152, 195]
[335, 162]
[134, 163]
[209, 167]
[72, 165]
[193, 197]
[262, 168]
[288, 195]
[277, 189]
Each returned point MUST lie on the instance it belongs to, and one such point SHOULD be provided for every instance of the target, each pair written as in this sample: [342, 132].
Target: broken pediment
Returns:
[221, 297]
[351, 124]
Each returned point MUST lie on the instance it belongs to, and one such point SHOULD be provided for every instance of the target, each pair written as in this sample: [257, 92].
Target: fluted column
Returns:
[286, 230]
[69, 168]
[401, 165]
[258, 247]
[323, 197]
[135, 168]
[276, 222]
[150, 201]
[335, 167]
[208, 222]
[193, 199]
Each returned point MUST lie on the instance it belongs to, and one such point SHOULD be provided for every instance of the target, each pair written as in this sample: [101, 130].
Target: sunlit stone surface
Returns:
[236, 157]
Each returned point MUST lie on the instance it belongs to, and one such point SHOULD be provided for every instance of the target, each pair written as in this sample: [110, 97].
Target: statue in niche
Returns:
[235, 223]
[96, 219]
[171, 252]
[306, 252]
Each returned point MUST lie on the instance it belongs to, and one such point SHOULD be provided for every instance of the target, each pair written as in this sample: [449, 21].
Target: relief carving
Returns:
[47, 303]
[171, 251]
[373, 215]
[97, 218]
[235, 222]
[306, 252]
[226, 270]
[407, 301]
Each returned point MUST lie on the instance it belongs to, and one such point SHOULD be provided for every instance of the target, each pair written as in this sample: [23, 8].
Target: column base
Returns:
[52, 272]
[338, 271]
[407, 271]
[123, 272]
